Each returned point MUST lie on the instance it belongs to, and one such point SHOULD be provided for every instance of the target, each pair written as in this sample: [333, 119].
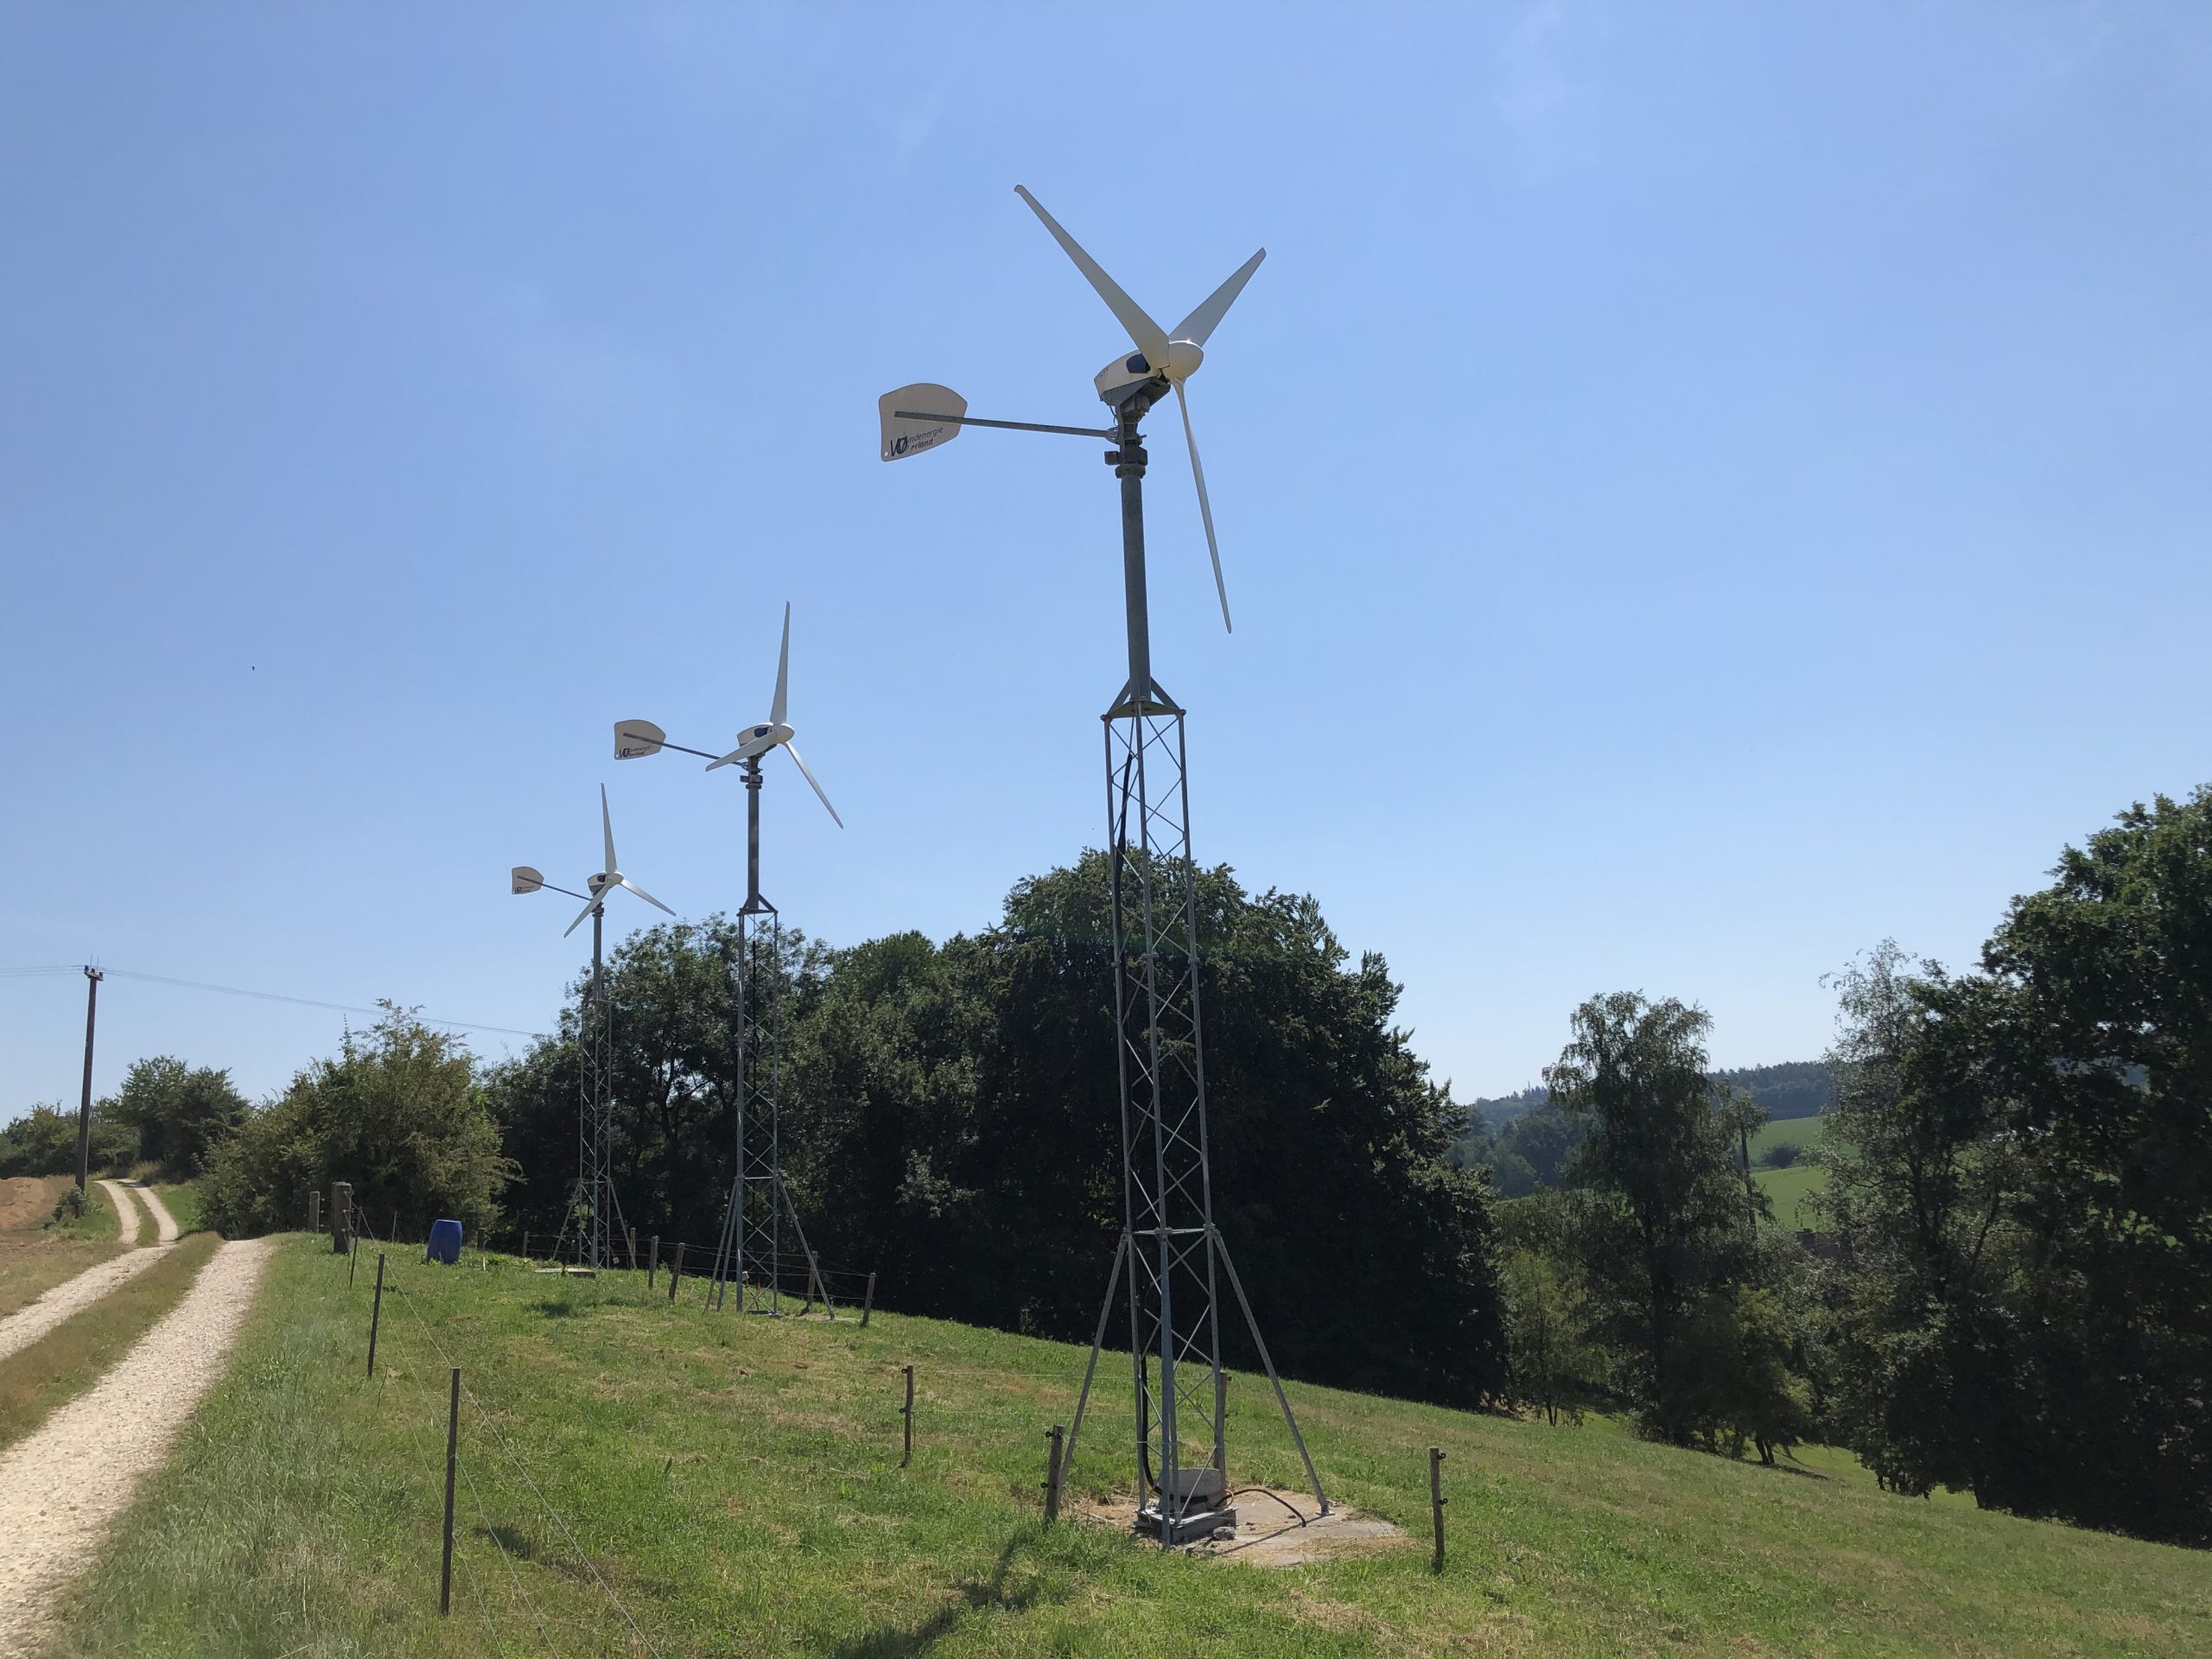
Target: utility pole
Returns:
[92, 977]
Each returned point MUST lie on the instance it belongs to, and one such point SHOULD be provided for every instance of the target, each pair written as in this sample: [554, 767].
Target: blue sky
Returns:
[1703, 489]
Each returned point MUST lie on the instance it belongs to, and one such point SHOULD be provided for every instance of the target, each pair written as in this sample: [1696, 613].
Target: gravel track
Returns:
[62, 1488]
[164, 1223]
[27, 1325]
[126, 1212]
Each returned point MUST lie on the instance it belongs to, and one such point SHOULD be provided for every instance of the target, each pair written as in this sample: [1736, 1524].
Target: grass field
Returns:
[70, 1358]
[182, 1199]
[735, 1481]
[34, 1258]
[1789, 1186]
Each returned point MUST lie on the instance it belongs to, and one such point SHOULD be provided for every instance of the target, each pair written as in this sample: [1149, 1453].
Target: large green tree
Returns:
[951, 1121]
[1661, 1229]
[399, 1112]
[180, 1112]
[2024, 1188]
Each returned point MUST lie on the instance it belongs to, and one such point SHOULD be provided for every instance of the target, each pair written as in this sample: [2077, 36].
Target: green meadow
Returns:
[733, 1485]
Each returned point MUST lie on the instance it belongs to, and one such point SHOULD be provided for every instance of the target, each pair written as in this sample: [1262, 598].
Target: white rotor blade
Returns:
[809, 776]
[783, 671]
[606, 824]
[1205, 507]
[1203, 320]
[729, 760]
[1150, 337]
[590, 905]
[643, 894]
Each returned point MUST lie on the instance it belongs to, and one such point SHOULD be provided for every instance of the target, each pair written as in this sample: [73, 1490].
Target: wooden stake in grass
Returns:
[907, 1456]
[652, 1263]
[633, 1250]
[676, 1270]
[376, 1312]
[353, 1260]
[868, 1302]
[525, 1247]
[1436, 1502]
[452, 1444]
[1052, 1474]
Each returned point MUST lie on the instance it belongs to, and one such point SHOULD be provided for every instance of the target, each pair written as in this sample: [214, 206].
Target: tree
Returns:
[2022, 1180]
[1659, 1222]
[1553, 1368]
[180, 1112]
[399, 1113]
[43, 1141]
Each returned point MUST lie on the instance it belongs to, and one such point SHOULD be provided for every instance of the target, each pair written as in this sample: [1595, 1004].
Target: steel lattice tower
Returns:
[751, 1252]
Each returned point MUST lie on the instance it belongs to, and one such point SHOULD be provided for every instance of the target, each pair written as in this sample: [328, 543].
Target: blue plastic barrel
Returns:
[445, 1242]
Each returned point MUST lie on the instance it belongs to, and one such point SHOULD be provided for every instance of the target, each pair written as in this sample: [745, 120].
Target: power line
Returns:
[267, 996]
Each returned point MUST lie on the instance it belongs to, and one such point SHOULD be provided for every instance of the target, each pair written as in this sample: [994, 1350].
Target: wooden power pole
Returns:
[92, 977]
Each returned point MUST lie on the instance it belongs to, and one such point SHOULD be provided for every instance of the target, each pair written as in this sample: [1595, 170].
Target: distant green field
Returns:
[1787, 1188]
[736, 1482]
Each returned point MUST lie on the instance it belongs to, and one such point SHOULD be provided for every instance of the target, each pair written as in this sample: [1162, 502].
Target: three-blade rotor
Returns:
[1173, 358]
[777, 733]
[611, 877]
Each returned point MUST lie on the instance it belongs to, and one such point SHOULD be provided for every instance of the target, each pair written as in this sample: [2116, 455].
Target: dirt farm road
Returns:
[62, 1487]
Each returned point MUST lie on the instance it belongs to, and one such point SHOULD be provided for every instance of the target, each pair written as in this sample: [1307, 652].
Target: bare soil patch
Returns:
[1275, 1527]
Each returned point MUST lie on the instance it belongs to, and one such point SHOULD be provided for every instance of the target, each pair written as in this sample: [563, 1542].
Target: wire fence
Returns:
[506, 1476]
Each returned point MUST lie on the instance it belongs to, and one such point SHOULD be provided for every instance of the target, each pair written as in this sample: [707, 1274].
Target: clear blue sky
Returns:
[1703, 487]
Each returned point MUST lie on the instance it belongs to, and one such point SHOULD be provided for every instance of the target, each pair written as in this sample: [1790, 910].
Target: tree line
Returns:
[2010, 1292]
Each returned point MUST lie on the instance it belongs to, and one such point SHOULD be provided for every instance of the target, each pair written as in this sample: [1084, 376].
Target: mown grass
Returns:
[1787, 1189]
[736, 1482]
[72, 1356]
[182, 1199]
[34, 1257]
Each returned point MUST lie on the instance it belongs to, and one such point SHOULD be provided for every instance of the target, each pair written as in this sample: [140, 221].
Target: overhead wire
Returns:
[266, 996]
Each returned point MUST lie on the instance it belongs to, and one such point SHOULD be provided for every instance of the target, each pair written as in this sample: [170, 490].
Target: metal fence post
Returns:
[906, 1455]
[376, 1312]
[1053, 1475]
[1436, 1502]
[452, 1443]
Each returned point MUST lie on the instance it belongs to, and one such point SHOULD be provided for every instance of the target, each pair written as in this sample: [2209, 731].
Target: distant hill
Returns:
[1794, 1088]
[1525, 1142]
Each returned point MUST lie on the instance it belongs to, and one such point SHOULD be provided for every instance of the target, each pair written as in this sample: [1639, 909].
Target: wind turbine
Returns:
[594, 1193]
[1169, 1242]
[759, 1200]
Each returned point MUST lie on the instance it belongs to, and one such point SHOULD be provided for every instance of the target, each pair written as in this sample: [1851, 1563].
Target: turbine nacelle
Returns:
[756, 741]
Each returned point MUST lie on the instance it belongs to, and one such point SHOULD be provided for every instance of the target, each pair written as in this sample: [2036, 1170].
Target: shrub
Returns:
[400, 1113]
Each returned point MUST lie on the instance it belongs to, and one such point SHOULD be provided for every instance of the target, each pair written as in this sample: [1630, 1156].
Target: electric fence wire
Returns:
[476, 1497]
[484, 1414]
[429, 1454]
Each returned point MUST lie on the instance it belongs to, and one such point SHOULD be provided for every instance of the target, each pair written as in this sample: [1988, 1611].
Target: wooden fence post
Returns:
[676, 1270]
[1436, 1502]
[907, 1456]
[525, 1247]
[652, 1263]
[868, 1303]
[452, 1443]
[1053, 1475]
[633, 1250]
[376, 1312]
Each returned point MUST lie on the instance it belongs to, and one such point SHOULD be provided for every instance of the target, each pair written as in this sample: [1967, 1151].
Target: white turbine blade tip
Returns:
[643, 894]
[782, 671]
[1205, 508]
[1203, 321]
[802, 771]
[1149, 337]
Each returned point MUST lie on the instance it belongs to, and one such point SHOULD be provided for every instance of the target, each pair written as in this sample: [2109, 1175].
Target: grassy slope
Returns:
[34, 1258]
[1786, 1187]
[71, 1357]
[182, 1199]
[737, 1481]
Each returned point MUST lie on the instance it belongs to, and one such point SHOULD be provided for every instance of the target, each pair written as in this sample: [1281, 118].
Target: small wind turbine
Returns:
[1169, 1242]
[594, 1189]
[750, 1228]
